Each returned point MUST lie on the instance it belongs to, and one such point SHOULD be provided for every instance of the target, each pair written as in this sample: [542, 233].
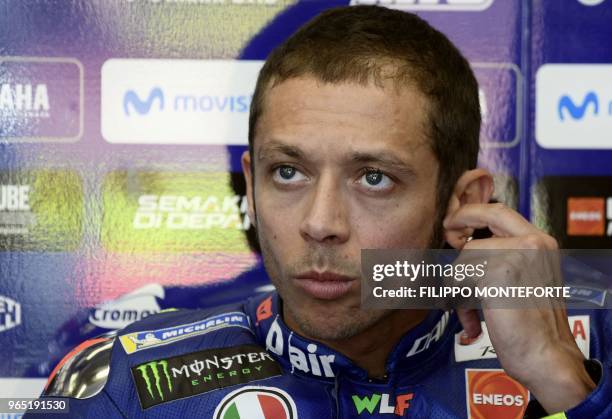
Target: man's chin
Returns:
[330, 325]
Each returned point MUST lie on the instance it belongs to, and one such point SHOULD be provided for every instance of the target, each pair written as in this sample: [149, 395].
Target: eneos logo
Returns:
[589, 216]
[177, 101]
[10, 313]
[574, 106]
[379, 403]
[585, 216]
[256, 403]
[491, 393]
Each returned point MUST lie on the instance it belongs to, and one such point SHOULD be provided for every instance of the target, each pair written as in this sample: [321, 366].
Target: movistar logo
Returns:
[156, 369]
[142, 106]
[577, 111]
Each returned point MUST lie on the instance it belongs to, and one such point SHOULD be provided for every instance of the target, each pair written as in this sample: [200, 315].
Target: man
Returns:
[363, 134]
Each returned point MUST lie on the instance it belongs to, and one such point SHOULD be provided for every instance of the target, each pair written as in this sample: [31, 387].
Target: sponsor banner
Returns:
[178, 377]
[41, 99]
[591, 2]
[429, 5]
[204, 3]
[177, 101]
[491, 393]
[137, 341]
[580, 327]
[586, 216]
[381, 403]
[574, 106]
[10, 313]
[576, 210]
[424, 342]
[134, 306]
[480, 347]
[175, 212]
[40, 210]
[467, 349]
[256, 403]
[500, 100]
[264, 310]
[304, 356]
[589, 294]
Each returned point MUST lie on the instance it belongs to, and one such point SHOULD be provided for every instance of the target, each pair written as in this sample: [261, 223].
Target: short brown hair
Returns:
[359, 44]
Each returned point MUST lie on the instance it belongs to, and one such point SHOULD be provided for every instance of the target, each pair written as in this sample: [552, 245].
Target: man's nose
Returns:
[326, 217]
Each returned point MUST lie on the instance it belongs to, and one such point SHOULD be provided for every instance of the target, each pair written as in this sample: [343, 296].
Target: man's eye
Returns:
[287, 174]
[374, 179]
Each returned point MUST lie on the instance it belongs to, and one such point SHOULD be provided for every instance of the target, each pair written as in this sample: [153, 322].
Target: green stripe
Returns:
[560, 415]
[232, 412]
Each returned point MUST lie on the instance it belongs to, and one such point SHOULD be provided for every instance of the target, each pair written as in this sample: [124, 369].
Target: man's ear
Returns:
[473, 187]
[248, 177]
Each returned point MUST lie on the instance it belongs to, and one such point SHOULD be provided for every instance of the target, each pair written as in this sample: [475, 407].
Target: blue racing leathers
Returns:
[242, 361]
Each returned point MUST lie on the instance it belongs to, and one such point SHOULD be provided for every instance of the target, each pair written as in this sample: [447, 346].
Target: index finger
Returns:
[500, 219]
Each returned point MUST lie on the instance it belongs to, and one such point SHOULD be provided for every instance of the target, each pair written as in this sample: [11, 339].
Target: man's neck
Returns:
[371, 348]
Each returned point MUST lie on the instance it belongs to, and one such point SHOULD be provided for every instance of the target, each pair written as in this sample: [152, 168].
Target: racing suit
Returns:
[242, 361]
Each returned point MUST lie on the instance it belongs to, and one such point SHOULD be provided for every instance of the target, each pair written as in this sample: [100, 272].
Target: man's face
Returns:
[338, 168]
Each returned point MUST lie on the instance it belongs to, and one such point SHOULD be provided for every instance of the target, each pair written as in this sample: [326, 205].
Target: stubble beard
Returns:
[353, 320]
[348, 321]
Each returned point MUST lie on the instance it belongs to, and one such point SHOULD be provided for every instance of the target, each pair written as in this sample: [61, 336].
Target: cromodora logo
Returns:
[152, 374]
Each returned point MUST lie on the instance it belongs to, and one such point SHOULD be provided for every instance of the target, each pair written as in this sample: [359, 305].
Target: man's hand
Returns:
[534, 346]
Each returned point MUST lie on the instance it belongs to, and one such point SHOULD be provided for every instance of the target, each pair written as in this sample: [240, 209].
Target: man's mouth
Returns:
[324, 285]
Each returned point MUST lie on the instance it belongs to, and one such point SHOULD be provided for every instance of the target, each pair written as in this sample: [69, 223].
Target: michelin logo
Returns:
[142, 107]
[137, 341]
[136, 305]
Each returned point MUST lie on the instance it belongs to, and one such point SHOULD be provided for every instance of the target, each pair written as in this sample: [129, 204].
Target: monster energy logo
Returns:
[154, 368]
[178, 377]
